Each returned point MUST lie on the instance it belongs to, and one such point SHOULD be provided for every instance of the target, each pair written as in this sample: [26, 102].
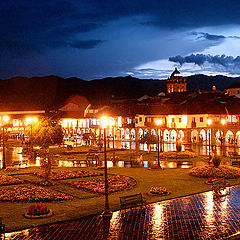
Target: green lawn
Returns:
[177, 181]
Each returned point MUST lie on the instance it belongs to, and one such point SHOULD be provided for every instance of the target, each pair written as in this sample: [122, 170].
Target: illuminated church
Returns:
[176, 83]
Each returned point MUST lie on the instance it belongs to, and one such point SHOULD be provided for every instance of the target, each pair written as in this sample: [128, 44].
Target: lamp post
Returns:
[31, 120]
[209, 122]
[5, 120]
[223, 121]
[158, 123]
[112, 124]
[106, 212]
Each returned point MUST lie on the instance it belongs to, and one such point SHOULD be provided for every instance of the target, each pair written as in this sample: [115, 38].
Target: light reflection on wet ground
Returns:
[16, 159]
[194, 217]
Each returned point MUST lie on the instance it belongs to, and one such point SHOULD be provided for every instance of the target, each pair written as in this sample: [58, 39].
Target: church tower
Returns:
[176, 83]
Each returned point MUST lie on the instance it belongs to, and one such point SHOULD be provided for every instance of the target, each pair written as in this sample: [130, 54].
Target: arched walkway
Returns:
[166, 135]
[140, 133]
[133, 134]
[229, 137]
[181, 135]
[194, 136]
[202, 135]
[173, 135]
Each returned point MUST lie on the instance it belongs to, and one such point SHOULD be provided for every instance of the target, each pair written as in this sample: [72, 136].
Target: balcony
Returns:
[193, 125]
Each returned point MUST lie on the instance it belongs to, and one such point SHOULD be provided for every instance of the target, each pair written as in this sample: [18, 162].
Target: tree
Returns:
[46, 133]
[149, 139]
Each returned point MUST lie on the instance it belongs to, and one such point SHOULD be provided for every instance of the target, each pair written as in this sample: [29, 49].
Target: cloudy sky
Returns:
[93, 39]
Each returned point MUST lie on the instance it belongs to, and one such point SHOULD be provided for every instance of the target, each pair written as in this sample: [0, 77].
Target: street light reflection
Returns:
[158, 219]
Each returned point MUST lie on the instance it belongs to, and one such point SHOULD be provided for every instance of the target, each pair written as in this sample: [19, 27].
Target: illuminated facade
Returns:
[176, 83]
[194, 117]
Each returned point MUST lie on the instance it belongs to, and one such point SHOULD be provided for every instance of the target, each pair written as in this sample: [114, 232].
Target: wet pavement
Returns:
[193, 217]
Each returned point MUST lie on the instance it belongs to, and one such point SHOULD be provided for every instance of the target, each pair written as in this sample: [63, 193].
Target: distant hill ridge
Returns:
[48, 91]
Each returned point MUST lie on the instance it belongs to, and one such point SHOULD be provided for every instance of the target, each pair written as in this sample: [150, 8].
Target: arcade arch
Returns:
[229, 136]
[166, 135]
[194, 136]
[181, 135]
[202, 135]
[173, 135]
[133, 134]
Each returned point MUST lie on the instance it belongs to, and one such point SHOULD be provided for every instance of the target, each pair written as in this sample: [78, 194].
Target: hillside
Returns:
[44, 92]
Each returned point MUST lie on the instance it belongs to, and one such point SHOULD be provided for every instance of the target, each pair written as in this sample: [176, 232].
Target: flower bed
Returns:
[38, 210]
[32, 194]
[115, 184]
[75, 151]
[182, 154]
[59, 175]
[211, 171]
[8, 180]
[157, 191]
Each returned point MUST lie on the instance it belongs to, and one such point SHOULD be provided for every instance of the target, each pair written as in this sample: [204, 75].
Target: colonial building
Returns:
[234, 90]
[196, 117]
[176, 83]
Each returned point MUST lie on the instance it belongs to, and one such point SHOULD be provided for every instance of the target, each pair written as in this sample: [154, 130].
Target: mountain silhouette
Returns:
[49, 91]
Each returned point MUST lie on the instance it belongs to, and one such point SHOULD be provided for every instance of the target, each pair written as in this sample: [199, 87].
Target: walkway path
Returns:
[194, 217]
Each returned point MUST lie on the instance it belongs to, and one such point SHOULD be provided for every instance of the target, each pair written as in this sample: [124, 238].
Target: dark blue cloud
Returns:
[207, 36]
[200, 59]
[85, 44]
[38, 28]
[37, 25]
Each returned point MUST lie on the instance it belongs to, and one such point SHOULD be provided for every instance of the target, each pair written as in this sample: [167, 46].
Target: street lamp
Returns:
[106, 212]
[223, 121]
[5, 120]
[158, 123]
[112, 124]
[31, 120]
[209, 122]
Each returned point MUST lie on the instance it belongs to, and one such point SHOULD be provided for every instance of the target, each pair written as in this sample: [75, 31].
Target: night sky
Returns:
[93, 39]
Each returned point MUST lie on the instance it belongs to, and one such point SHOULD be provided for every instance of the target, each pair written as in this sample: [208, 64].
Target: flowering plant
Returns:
[115, 184]
[159, 191]
[38, 209]
[222, 171]
[31, 194]
[59, 175]
[210, 180]
[8, 180]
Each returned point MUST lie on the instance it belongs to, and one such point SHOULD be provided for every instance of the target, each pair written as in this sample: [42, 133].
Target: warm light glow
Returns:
[158, 122]
[104, 121]
[223, 121]
[31, 120]
[111, 122]
[184, 118]
[209, 121]
[5, 118]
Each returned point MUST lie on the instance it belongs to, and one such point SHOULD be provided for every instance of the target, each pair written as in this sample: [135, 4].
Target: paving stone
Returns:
[194, 217]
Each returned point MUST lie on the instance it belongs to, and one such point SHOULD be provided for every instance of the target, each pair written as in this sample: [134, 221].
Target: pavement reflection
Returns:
[193, 217]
